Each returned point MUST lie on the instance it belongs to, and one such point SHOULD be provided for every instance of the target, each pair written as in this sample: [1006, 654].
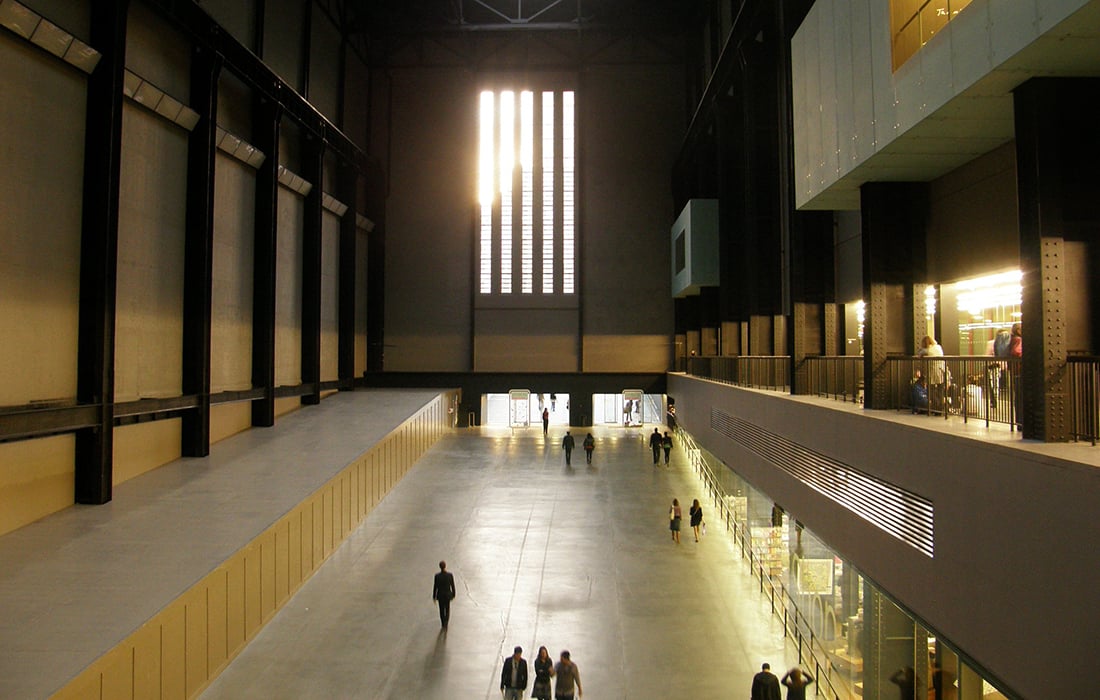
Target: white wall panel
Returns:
[937, 76]
[800, 108]
[41, 180]
[828, 97]
[149, 312]
[971, 52]
[330, 298]
[1051, 12]
[845, 87]
[882, 77]
[1013, 24]
[288, 289]
[862, 134]
[232, 270]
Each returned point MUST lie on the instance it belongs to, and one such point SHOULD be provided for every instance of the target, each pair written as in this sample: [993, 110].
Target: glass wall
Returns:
[856, 641]
[980, 308]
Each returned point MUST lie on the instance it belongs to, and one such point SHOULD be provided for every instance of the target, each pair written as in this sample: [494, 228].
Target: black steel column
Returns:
[349, 234]
[376, 271]
[99, 251]
[198, 252]
[894, 218]
[313, 157]
[265, 132]
[1056, 146]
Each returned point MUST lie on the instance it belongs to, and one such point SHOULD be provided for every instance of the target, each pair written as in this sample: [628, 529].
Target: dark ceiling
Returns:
[390, 18]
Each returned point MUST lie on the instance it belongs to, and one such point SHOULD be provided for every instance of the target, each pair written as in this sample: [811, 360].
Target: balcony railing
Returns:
[837, 376]
[972, 387]
[1084, 382]
[755, 371]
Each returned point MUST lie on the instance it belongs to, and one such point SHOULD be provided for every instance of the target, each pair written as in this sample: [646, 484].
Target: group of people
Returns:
[657, 443]
[513, 677]
[933, 388]
[765, 685]
[568, 443]
[675, 515]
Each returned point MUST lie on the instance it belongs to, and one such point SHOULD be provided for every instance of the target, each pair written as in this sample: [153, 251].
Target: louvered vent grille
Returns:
[898, 512]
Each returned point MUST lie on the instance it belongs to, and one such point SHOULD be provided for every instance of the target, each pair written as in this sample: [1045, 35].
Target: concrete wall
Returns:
[848, 102]
[1008, 583]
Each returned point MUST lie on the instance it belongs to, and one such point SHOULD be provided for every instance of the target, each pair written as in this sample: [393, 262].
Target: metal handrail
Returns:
[836, 376]
[1084, 382]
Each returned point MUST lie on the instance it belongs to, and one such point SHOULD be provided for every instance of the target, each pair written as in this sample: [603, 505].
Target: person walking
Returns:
[589, 444]
[567, 676]
[696, 513]
[666, 445]
[443, 592]
[513, 677]
[544, 668]
[655, 445]
[567, 444]
[545, 420]
[675, 515]
[765, 686]
[796, 681]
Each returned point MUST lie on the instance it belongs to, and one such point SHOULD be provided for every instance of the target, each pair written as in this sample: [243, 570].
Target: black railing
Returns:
[771, 372]
[838, 377]
[972, 387]
[1084, 381]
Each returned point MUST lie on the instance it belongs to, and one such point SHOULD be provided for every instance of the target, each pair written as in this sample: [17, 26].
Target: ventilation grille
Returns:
[894, 510]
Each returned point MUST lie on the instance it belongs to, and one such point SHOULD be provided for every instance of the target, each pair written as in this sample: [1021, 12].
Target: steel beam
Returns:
[266, 117]
[99, 251]
[313, 158]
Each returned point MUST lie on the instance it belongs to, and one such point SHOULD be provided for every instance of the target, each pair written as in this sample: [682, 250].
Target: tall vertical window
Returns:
[525, 187]
[547, 193]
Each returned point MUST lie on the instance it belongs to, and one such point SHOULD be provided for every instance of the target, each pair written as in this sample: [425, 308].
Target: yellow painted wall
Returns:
[228, 419]
[184, 647]
[144, 446]
[36, 479]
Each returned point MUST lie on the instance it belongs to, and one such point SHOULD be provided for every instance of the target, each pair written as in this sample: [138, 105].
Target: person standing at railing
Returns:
[937, 372]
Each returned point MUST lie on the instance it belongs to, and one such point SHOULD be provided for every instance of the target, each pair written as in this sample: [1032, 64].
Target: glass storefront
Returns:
[858, 642]
[980, 308]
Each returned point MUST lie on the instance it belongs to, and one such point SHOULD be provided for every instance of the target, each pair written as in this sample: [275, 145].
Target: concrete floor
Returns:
[571, 558]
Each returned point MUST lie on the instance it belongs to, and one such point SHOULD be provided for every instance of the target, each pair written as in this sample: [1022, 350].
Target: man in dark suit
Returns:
[443, 591]
[513, 678]
[765, 686]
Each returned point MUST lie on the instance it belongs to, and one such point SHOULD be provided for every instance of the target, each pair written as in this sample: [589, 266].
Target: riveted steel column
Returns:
[198, 251]
[94, 452]
[266, 115]
[893, 245]
[1056, 191]
[313, 167]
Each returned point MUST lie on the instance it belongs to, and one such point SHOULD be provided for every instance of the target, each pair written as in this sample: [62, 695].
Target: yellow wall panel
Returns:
[327, 505]
[118, 674]
[196, 641]
[173, 645]
[217, 621]
[307, 539]
[252, 596]
[87, 686]
[36, 479]
[294, 550]
[267, 575]
[346, 484]
[145, 446]
[282, 561]
[228, 419]
[147, 655]
[318, 532]
[235, 628]
[285, 406]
